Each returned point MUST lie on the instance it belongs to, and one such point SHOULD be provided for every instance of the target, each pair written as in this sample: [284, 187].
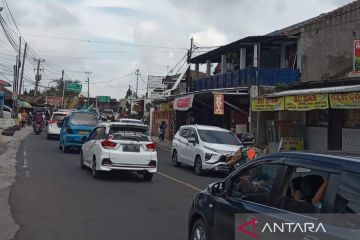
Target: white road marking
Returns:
[24, 153]
[180, 182]
[25, 163]
[27, 173]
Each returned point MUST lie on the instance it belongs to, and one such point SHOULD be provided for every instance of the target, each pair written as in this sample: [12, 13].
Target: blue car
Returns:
[74, 127]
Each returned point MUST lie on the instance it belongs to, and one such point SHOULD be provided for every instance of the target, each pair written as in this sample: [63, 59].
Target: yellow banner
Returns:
[267, 104]
[306, 102]
[291, 144]
[345, 100]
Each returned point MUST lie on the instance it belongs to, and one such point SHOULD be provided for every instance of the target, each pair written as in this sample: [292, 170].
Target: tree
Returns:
[128, 93]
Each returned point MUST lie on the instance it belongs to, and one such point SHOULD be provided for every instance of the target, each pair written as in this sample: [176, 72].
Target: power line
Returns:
[103, 42]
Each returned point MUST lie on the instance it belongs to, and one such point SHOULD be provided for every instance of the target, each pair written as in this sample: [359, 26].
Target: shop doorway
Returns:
[336, 123]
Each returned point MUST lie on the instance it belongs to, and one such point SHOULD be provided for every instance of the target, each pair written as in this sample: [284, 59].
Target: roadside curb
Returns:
[8, 152]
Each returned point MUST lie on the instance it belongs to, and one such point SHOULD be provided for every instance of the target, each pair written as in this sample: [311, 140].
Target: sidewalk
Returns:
[8, 149]
[165, 144]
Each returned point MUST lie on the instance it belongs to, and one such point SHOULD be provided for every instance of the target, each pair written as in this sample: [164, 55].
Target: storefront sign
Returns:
[267, 104]
[218, 104]
[345, 100]
[357, 56]
[166, 107]
[183, 103]
[291, 144]
[306, 102]
[54, 101]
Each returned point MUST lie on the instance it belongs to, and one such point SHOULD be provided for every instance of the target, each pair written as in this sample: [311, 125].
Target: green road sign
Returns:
[103, 99]
[73, 87]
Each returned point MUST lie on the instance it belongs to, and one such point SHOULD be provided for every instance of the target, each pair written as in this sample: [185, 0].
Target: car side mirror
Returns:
[84, 139]
[217, 189]
[60, 124]
[192, 140]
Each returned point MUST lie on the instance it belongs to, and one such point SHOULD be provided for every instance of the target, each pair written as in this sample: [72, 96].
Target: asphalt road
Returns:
[54, 199]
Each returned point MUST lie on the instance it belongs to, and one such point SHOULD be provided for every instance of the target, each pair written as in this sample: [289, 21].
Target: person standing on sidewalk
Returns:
[161, 130]
[23, 118]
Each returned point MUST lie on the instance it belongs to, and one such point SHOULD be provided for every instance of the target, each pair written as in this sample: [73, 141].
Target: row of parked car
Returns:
[105, 146]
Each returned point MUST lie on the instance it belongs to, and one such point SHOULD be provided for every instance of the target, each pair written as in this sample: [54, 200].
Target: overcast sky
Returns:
[119, 27]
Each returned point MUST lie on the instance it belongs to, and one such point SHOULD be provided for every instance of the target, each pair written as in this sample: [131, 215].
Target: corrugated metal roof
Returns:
[341, 89]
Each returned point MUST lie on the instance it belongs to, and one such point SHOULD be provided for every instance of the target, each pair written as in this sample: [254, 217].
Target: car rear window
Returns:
[219, 137]
[132, 121]
[129, 133]
[58, 117]
[87, 119]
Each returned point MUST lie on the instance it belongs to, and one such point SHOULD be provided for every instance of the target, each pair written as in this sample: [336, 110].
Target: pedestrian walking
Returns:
[23, 118]
[161, 130]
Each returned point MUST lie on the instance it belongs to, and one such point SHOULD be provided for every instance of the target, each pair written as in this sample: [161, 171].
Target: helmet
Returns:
[247, 138]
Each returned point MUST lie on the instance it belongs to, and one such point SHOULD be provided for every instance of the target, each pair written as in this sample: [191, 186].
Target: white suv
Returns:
[203, 147]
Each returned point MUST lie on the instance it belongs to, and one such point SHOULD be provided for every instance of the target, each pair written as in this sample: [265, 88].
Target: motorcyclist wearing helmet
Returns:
[245, 153]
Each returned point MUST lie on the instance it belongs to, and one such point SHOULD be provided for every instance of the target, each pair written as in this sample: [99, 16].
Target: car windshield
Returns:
[218, 137]
[58, 117]
[129, 132]
[88, 119]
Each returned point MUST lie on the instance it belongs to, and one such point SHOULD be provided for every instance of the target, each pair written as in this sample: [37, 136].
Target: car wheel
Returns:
[65, 149]
[82, 166]
[198, 166]
[60, 147]
[174, 159]
[95, 173]
[148, 176]
[199, 231]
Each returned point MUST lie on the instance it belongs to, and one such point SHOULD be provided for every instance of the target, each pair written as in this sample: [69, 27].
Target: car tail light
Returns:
[150, 147]
[69, 130]
[152, 163]
[108, 144]
[52, 121]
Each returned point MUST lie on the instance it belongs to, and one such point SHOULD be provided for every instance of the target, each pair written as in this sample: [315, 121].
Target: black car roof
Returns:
[348, 161]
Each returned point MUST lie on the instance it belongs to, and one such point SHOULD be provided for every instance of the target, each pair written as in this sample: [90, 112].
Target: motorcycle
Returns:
[38, 128]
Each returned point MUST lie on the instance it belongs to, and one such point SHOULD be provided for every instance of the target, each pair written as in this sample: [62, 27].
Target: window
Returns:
[318, 118]
[255, 184]
[58, 117]
[130, 133]
[81, 118]
[219, 137]
[185, 133]
[193, 134]
[304, 190]
[347, 202]
[100, 133]
[92, 135]
[352, 118]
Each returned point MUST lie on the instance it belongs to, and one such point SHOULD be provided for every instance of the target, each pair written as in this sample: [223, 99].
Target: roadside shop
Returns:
[325, 118]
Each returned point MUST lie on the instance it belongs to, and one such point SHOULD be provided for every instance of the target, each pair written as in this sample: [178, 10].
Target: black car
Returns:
[294, 195]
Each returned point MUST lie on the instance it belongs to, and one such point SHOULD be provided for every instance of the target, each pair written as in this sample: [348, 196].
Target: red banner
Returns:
[357, 56]
[183, 103]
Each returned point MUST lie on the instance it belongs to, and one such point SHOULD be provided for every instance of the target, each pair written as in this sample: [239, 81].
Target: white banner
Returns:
[183, 103]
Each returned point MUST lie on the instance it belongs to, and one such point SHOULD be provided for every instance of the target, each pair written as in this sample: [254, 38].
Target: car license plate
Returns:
[131, 148]
[83, 132]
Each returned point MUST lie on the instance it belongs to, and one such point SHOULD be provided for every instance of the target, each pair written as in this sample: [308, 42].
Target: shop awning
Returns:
[341, 89]
[343, 97]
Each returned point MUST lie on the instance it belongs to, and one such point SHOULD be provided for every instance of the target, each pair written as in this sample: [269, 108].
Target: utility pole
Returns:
[188, 80]
[22, 69]
[38, 76]
[137, 82]
[18, 64]
[88, 82]
[63, 90]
